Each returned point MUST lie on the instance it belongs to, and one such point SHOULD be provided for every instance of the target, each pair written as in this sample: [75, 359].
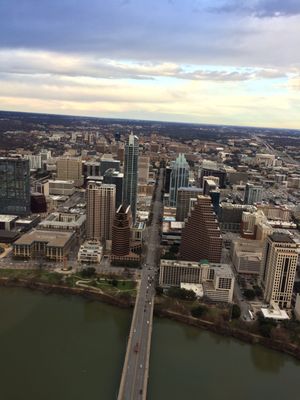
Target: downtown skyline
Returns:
[219, 62]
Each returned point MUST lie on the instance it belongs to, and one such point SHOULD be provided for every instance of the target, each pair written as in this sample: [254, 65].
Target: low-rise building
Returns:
[8, 222]
[62, 188]
[90, 251]
[217, 279]
[52, 245]
[73, 222]
[246, 256]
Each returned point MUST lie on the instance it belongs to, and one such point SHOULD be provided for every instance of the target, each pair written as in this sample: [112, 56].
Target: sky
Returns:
[231, 62]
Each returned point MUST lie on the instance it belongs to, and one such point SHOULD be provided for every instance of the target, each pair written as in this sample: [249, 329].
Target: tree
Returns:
[249, 294]
[114, 282]
[88, 272]
[235, 312]
[181, 293]
[199, 311]
[159, 290]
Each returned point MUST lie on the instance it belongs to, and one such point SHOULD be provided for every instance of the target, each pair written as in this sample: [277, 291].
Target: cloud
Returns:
[38, 62]
[156, 31]
[259, 8]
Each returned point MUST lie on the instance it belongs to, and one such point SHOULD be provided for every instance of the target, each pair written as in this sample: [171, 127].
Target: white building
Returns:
[90, 251]
[278, 269]
[217, 279]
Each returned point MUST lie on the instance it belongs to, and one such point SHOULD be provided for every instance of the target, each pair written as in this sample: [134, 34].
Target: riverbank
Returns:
[125, 301]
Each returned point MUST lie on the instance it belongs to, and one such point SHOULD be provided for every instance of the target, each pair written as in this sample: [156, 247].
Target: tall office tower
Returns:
[14, 186]
[101, 201]
[201, 236]
[208, 186]
[107, 163]
[121, 232]
[167, 179]
[143, 166]
[212, 169]
[130, 181]
[70, 169]
[179, 177]
[184, 195]
[278, 269]
[253, 194]
[114, 177]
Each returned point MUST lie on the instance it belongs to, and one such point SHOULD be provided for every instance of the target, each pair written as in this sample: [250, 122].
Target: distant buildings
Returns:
[179, 177]
[201, 236]
[217, 279]
[101, 200]
[130, 183]
[14, 186]
[278, 269]
[70, 169]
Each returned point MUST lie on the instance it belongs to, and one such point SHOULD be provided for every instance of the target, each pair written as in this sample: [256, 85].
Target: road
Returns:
[136, 366]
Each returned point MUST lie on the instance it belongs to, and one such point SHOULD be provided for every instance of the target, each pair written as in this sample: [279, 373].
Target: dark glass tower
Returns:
[14, 186]
[130, 182]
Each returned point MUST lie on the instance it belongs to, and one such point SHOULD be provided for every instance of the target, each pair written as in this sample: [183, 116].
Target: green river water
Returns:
[56, 347]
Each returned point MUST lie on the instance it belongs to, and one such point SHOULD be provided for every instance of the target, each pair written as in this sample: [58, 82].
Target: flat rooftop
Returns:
[7, 218]
[279, 237]
[52, 238]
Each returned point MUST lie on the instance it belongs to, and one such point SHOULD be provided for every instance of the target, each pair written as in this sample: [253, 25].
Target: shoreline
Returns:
[222, 330]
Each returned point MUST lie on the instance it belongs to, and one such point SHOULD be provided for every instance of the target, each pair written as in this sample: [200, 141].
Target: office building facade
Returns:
[184, 196]
[101, 200]
[278, 269]
[253, 194]
[130, 182]
[179, 177]
[14, 186]
[70, 169]
[201, 236]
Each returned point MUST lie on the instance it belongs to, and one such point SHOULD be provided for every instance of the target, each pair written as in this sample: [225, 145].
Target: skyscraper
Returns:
[130, 182]
[14, 186]
[201, 236]
[121, 232]
[253, 194]
[179, 177]
[143, 166]
[101, 200]
[278, 269]
[70, 168]
[113, 177]
[184, 195]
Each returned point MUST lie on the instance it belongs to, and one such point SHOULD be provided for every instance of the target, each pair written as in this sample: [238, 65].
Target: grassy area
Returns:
[53, 278]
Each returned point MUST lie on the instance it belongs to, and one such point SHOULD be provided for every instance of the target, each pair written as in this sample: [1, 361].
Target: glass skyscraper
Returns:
[130, 182]
[14, 186]
[179, 177]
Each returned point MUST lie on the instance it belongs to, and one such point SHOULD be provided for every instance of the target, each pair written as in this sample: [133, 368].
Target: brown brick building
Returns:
[201, 236]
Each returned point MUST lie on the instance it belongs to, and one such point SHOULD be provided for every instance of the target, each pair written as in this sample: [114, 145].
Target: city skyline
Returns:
[212, 62]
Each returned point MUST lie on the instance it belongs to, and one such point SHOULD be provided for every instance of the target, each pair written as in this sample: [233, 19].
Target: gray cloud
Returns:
[154, 30]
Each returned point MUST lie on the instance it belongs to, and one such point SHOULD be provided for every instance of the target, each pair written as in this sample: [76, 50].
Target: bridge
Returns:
[134, 380]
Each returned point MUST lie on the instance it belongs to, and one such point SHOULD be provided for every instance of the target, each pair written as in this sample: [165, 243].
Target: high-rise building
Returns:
[113, 177]
[253, 194]
[213, 170]
[101, 200]
[167, 179]
[179, 177]
[108, 163]
[121, 232]
[278, 269]
[143, 166]
[201, 236]
[69, 168]
[14, 186]
[184, 195]
[130, 182]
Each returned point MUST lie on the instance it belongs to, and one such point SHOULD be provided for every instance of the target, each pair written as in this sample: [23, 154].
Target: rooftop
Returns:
[52, 238]
[279, 237]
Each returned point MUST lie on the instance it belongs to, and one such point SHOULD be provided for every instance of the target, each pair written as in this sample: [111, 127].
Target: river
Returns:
[55, 347]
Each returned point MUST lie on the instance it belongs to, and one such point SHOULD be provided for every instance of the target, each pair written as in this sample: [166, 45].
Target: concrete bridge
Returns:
[135, 372]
